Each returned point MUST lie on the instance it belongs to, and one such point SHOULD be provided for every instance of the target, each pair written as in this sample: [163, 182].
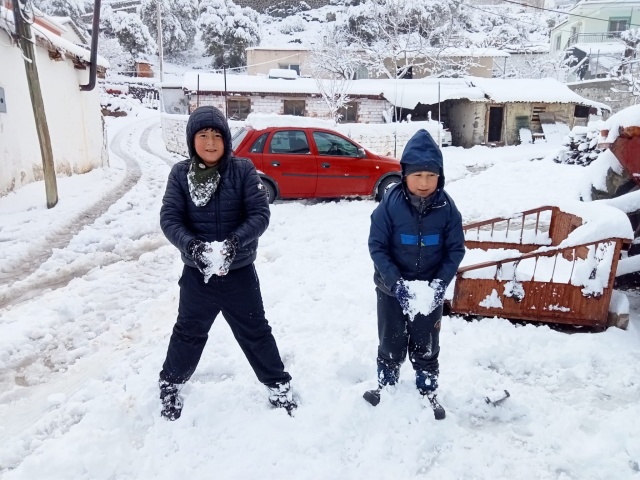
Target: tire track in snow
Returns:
[61, 238]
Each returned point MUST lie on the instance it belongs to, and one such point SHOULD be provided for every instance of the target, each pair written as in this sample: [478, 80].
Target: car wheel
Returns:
[271, 190]
[385, 185]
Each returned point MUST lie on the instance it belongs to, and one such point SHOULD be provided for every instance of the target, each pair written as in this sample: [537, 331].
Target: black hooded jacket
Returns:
[239, 206]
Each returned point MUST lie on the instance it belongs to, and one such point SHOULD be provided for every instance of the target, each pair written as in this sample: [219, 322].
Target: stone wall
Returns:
[610, 92]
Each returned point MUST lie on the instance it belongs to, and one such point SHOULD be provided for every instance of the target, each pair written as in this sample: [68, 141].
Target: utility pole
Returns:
[23, 30]
[159, 26]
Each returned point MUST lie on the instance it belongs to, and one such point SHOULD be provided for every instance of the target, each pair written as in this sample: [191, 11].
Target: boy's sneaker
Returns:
[171, 401]
[438, 410]
[281, 396]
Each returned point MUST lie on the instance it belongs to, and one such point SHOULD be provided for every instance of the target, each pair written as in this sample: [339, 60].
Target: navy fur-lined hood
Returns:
[422, 154]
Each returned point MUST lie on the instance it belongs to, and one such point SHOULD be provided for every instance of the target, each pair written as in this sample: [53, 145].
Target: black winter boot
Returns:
[438, 410]
[281, 396]
[171, 401]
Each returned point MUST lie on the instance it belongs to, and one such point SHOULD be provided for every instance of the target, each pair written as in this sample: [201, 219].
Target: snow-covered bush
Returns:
[133, 36]
[286, 9]
[292, 24]
[580, 147]
[227, 30]
[178, 22]
[73, 9]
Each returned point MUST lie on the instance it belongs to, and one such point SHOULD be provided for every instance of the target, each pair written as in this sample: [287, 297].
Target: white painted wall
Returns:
[74, 119]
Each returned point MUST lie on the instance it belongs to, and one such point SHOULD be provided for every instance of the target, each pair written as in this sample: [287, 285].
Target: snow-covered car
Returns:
[446, 137]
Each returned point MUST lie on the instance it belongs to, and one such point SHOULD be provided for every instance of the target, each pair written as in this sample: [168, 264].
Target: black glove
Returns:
[229, 249]
[403, 295]
[196, 249]
[438, 292]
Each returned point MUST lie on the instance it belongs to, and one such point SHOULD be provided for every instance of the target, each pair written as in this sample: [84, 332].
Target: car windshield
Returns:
[237, 138]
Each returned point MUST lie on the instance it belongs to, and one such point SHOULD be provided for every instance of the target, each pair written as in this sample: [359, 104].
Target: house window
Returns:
[238, 108]
[349, 113]
[558, 42]
[408, 72]
[618, 24]
[361, 73]
[290, 66]
[294, 107]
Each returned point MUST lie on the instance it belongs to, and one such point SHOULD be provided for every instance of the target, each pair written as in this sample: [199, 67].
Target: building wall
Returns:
[592, 25]
[483, 68]
[261, 61]
[369, 110]
[610, 92]
[74, 119]
[466, 121]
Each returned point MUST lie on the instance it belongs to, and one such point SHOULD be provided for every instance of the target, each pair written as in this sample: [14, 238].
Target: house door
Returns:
[496, 116]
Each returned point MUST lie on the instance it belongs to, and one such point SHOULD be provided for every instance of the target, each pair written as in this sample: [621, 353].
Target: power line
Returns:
[563, 13]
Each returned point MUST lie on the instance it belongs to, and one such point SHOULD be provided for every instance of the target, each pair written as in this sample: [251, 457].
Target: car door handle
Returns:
[326, 165]
[275, 163]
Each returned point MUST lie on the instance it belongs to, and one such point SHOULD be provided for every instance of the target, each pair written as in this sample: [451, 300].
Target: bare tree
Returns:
[399, 36]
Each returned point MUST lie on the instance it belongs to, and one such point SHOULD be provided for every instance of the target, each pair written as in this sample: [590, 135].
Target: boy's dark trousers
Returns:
[237, 295]
[397, 335]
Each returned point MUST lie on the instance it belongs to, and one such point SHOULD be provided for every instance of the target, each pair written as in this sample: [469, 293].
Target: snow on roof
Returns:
[544, 90]
[628, 117]
[49, 39]
[602, 48]
[285, 73]
[401, 92]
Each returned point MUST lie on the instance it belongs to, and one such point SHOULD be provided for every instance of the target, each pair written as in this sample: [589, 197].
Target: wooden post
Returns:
[23, 30]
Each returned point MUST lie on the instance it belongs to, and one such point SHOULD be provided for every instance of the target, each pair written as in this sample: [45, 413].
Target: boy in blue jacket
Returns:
[416, 234]
[215, 205]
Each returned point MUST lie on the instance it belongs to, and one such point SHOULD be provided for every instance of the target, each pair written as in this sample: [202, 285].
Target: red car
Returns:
[307, 162]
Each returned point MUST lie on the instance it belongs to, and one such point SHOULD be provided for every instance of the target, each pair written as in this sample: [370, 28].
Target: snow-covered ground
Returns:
[83, 337]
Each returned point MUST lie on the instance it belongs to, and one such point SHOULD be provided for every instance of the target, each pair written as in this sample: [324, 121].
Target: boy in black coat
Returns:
[416, 234]
[214, 197]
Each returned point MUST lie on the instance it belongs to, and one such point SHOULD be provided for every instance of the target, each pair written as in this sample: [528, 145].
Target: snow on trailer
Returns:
[544, 265]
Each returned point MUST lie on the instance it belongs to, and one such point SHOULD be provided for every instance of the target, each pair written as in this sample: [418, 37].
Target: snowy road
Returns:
[83, 336]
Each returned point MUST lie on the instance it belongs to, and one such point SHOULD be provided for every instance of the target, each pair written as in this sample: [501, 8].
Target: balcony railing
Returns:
[592, 38]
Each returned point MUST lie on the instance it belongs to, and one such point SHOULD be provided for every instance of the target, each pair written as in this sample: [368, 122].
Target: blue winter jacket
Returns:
[239, 206]
[406, 244]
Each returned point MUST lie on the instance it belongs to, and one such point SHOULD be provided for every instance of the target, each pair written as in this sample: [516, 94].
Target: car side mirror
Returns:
[361, 153]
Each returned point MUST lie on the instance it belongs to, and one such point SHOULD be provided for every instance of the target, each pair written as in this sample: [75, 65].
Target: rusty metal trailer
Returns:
[545, 283]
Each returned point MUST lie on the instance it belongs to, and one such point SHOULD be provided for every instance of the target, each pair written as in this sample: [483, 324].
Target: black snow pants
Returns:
[237, 295]
[397, 334]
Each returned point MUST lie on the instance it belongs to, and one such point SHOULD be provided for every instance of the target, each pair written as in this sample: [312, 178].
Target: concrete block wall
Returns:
[369, 110]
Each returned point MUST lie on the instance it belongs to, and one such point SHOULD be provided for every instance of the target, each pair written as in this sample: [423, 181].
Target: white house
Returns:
[74, 117]
[591, 35]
